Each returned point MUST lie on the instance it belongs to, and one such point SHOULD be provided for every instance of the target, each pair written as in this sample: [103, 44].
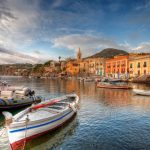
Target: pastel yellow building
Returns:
[86, 66]
[96, 66]
[83, 67]
[139, 65]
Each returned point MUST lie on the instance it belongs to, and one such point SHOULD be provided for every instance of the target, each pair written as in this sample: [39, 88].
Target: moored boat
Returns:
[114, 80]
[88, 79]
[98, 79]
[17, 97]
[141, 92]
[113, 86]
[39, 119]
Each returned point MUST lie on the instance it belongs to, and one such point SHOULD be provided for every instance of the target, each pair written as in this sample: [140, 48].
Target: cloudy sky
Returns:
[38, 30]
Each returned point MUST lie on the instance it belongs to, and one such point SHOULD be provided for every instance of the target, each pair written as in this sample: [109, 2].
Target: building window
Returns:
[144, 72]
[138, 66]
[138, 72]
[131, 66]
[145, 64]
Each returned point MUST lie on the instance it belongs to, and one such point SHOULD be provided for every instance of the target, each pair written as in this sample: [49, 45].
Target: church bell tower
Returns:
[79, 55]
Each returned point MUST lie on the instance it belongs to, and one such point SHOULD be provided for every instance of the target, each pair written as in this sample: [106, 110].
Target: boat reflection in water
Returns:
[54, 140]
[115, 97]
[120, 98]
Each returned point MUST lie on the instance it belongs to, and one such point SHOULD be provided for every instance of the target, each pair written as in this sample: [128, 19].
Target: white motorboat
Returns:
[141, 92]
[17, 97]
[39, 119]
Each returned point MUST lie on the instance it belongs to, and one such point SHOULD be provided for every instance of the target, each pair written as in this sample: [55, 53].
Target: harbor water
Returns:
[107, 119]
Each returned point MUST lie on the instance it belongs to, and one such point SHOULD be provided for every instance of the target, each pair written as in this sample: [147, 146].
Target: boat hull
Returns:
[141, 92]
[18, 136]
[9, 107]
[113, 87]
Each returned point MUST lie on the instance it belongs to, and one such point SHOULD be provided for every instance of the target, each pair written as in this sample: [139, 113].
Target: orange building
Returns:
[117, 67]
[72, 67]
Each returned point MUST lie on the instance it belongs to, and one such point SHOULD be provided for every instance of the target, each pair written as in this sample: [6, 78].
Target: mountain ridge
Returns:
[108, 53]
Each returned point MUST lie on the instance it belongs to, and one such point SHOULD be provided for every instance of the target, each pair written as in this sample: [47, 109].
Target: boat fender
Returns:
[8, 117]
[38, 99]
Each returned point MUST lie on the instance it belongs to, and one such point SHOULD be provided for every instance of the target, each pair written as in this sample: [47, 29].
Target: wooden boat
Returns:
[39, 119]
[17, 97]
[112, 86]
[141, 92]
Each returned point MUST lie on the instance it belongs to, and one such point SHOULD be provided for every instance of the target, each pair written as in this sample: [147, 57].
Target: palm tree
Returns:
[59, 62]
[59, 58]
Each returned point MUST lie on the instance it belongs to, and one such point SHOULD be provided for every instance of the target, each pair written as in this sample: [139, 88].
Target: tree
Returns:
[59, 58]
[46, 64]
[38, 69]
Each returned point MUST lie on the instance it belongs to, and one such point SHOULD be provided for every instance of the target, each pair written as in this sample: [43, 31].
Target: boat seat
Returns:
[7, 94]
[20, 92]
[50, 110]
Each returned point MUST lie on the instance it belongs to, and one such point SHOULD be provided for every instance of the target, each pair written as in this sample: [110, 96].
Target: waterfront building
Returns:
[117, 67]
[139, 64]
[72, 67]
[91, 62]
[63, 65]
[100, 66]
[53, 67]
[83, 67]
[96, 66]
[76, 66]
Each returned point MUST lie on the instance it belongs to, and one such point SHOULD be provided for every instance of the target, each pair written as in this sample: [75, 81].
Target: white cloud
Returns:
[9, 56]
[88, 43]
[18, 21]
[145, 6]
[143, 47]
[56, 3]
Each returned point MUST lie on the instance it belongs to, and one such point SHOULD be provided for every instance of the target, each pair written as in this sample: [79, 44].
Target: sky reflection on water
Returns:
[108, 119]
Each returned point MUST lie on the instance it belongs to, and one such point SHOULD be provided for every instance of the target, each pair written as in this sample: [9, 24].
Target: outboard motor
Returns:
[27, 91]
[38, 99]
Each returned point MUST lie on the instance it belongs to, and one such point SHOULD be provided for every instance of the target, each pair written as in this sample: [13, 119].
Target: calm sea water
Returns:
[107, 119]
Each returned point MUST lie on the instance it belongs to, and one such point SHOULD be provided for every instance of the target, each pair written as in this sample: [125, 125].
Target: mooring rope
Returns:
[24, 144]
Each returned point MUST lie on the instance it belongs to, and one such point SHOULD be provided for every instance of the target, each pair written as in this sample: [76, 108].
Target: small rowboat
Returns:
[112, 86]
[142, 92]
[39, 119]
